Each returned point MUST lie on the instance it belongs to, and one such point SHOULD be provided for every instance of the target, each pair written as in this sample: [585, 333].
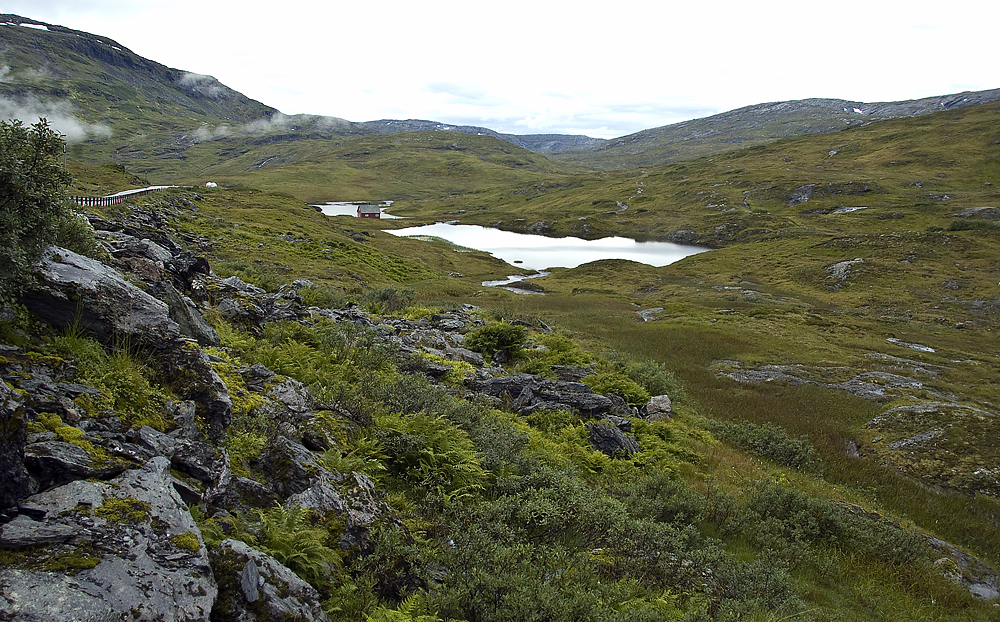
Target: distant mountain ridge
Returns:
[754, 125]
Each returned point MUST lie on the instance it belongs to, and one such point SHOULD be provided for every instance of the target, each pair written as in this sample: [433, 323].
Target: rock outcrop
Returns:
[527, 393]
[255, 586]
[76, 291]
[124, 549]
[14, 483]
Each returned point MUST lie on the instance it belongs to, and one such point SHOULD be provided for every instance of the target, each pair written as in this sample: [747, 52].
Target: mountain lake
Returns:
[537, 252]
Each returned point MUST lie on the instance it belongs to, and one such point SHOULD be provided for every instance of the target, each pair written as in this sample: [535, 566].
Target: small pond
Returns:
[350, 208]
[536, 252]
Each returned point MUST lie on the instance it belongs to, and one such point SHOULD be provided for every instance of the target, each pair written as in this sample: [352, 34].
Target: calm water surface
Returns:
[536, 252]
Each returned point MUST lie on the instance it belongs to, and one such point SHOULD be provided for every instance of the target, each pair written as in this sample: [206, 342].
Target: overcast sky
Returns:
[603, 69]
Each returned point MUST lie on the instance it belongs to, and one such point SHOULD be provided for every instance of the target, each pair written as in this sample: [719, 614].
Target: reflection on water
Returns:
[350, 208]
[536, 252]
[517, 278]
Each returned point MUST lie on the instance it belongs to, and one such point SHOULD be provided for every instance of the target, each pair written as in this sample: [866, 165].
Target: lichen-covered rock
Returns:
[233, 493]
[659, 408]
[255, 587]
[53, 463]
[185, 365]
[529, 392]
[122, 550]
[354, 498]
[241, 311]
[14, 482]
[74, 290]
[606, 438]
[293, 395]
[289, 467]
[465, 355]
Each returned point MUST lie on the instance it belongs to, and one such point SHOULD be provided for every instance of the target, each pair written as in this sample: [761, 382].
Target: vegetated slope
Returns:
[852, 297]
[754, 125]
[908, 173]
[539, 143]
[107, 83]
[149, 117]
[406, 165]
[179, 127]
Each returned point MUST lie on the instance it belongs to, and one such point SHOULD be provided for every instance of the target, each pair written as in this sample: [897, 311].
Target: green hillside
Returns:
[831, 361]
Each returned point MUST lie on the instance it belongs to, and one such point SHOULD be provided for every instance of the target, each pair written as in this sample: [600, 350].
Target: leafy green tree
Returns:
[34, 209]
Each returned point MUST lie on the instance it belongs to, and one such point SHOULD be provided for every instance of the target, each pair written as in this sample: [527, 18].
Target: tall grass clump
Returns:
[121, 378]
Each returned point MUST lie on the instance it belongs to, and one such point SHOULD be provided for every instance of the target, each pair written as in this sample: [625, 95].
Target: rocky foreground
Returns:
[97, 507]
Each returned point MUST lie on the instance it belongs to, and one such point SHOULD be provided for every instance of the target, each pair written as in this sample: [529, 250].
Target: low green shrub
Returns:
[656, 379]
[387, 300]
[555, 349]
[619, 384]
[781, 519]
[664, 498]
[770, 442]
[496, 336]
[323, 297]
[972, 225]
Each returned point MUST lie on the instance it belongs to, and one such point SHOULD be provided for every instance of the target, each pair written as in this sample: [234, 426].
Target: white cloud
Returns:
[59, 115]
[202, 85]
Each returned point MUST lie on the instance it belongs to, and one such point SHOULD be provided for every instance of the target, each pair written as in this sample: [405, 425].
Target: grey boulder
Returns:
[74, 290]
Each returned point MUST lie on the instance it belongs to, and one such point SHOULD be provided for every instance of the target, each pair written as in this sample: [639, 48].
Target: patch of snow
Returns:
[859, 111]
[913, 346]
[844, 210]
[35, 26]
